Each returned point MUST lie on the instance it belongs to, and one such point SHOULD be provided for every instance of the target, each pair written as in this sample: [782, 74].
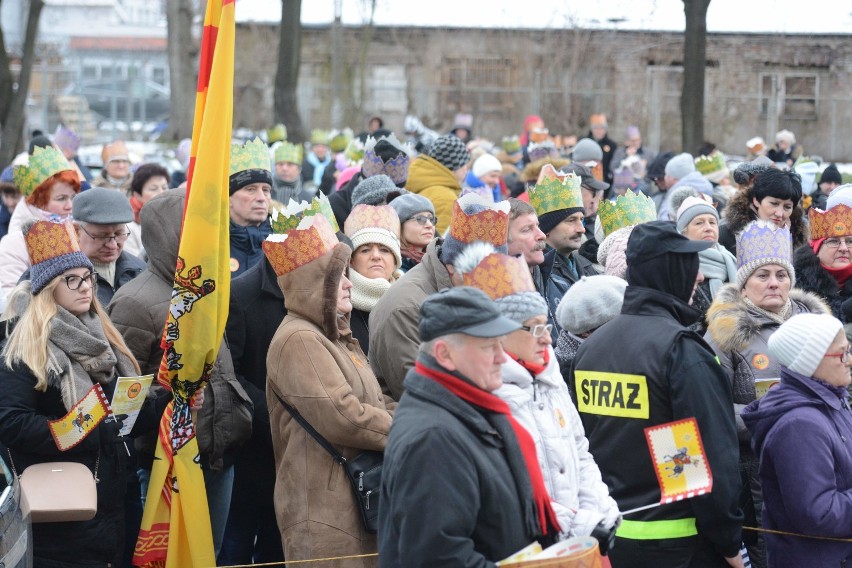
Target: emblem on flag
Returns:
[73, 428]
[679, 460]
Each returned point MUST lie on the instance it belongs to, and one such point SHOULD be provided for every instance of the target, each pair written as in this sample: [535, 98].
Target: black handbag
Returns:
[364, 472]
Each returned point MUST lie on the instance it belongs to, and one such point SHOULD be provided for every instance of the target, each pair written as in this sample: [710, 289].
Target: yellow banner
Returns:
[73, 428]
[612, 394]
[679, 460]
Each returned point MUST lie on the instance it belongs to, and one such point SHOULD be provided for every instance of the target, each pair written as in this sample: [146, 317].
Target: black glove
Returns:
[605, 537]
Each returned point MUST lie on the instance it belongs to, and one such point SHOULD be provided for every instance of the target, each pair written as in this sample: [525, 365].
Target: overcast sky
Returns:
[763, 16]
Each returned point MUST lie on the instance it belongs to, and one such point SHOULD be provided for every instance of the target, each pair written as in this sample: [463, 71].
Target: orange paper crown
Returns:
[46, 240]
[836, 222]
[500, 275]
[372, 217]
[312, 239]
[491, 225]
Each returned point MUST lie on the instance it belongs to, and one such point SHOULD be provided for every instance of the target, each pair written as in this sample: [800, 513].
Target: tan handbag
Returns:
[56, 492]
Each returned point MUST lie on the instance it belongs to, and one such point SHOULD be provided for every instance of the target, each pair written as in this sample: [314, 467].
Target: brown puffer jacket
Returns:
[317, 367]
[139, 310]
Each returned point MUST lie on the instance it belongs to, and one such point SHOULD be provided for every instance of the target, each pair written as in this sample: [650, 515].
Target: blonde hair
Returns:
[27, 343]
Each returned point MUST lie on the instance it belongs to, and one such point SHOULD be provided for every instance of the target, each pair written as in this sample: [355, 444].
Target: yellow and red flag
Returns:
[176, 523]
[679, 460]
[73, 428]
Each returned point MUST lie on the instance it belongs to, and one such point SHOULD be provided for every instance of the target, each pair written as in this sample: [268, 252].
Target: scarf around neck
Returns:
[413, 253]
[718, 266]
[779, 318]
[538, 511]
[319, 167]
[136, 206]
[534, 368]
[366, 292]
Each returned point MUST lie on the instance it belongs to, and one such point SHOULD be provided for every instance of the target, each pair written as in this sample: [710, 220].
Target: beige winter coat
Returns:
[318, 368]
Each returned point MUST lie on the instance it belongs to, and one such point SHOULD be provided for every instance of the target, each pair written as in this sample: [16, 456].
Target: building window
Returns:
[789, 95]
[483, 84]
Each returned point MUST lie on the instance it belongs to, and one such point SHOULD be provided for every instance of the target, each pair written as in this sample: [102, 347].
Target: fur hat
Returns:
[785, 136]
[801, 342]
[680, 166]
[590, 302]
[449, 151]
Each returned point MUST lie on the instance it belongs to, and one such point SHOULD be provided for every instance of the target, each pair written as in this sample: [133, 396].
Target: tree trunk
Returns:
[287, 75]
[694, 63]
[12, 119]
[183, 68]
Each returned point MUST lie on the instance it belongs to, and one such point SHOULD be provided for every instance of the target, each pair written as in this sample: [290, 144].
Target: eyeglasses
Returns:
[834, 243]
[74, 282]
[423, 219]
[104, 239]
[538, 330]
[844, 357]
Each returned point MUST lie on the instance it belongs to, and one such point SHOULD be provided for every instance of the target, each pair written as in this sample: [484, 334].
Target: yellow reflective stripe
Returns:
[655, 530]
[718, 360]
[612, 394]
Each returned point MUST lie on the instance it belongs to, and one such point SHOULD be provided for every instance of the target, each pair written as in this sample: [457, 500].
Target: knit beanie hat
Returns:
[374, 190]
[832, 174]
[680, 166]
[590, 302]
[691, 208]
[587, 150]
[678, 196]
[842, 194]
[612, 253]
[485, 164]
[52, 249]
[801, 342]
[449, 151]
[408, 205]
[762, 243]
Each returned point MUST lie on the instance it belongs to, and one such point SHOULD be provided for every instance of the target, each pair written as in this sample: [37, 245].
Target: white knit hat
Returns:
[800, 344]
[590, 302]
[691, 208]
[485, 164]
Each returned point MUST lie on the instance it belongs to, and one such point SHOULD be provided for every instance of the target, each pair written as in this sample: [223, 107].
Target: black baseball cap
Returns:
[586, 176]
[462, 309]
[650, 240]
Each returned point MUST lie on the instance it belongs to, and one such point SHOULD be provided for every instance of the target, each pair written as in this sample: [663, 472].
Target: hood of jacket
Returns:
[425, 172]
[739, 212]
[733, 325]
[311, 291]
[696, 180]
[162, 220]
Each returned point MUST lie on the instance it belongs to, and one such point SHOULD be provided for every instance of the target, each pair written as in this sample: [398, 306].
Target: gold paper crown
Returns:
[277, 133]
[372, 217]
[628, 209]
[500, 275]
[44, 163]
[46, 240]
[115, 151]
[709, 164]
[313, 238]
[340, 139]
[491, 225]
[554, 191]
[836, 222]
[287, 152]
[289, 218]
[253, 155]
[319, 137]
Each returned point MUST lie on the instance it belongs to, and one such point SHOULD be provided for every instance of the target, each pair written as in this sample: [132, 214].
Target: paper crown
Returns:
[291, 215]
[554, 191]
[340, 139]
[511, 144]
[627, 210]
[709, 164]
[253, 155]
[66, 139]
[277, 133]
[500, 275]
[539, 150]
[319, 137]
[760, 241]
[47, 240]
[115, 151]
[396, 168]
[312, 238]
[355, 152]
[287, 152]
[490, 225]
[836, 222]
[372, 217]
[43, 163]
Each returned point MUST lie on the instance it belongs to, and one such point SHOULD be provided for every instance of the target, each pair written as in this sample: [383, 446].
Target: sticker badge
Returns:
[760, 361]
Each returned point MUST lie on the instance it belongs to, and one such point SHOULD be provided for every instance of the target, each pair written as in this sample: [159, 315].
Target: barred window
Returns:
[789, 95]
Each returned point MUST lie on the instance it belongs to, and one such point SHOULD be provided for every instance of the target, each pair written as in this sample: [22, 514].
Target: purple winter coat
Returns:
[802, 433]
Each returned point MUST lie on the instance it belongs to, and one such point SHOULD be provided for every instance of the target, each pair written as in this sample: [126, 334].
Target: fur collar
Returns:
[810, 276]
[733, 327]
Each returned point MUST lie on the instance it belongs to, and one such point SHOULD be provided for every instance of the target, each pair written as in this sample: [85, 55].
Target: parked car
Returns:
[16, 536]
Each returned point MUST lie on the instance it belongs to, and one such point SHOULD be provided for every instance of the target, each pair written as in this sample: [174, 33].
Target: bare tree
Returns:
[183, 68]
[366, 39]
[13, 96]
[694, 64]
[287, 76]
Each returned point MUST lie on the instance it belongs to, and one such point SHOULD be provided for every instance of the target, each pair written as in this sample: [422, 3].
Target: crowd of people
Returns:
[502, 320]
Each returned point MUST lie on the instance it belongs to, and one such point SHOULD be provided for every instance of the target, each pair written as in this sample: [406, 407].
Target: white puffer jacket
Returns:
[543, 406]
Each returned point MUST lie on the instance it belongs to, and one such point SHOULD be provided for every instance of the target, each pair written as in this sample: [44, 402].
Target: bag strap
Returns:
[338, 457]
[95, 474]
[12, 463]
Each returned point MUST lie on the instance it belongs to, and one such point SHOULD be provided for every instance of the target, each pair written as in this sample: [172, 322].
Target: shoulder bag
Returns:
[364, 472]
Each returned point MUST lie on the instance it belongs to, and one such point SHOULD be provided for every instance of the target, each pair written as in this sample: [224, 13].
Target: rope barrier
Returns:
[785, 533]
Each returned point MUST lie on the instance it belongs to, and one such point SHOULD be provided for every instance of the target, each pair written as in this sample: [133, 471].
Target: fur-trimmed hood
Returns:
[738, 213]
[733, 326]
[812, 277]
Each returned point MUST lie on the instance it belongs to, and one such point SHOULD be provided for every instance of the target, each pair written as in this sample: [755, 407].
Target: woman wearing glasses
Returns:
[742, 317]
[535, 391]
[801, 431]
[824, 265]
[60, 345]
[417, 216]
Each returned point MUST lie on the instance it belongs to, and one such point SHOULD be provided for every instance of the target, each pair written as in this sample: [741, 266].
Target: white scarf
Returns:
[366, 292]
